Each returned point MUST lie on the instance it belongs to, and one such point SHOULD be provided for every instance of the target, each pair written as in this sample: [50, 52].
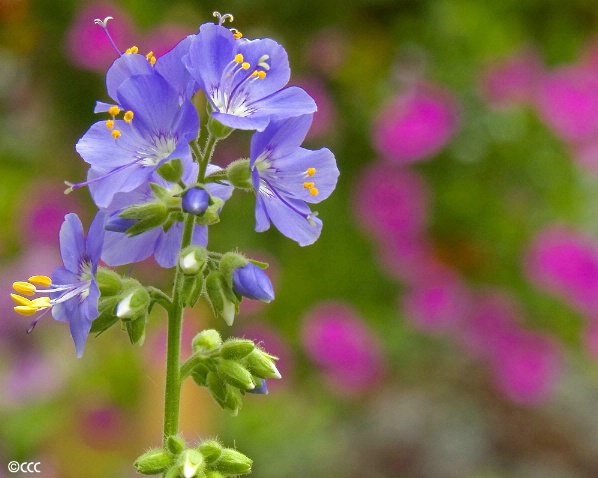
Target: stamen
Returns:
[114, 110]
[43, 281]
[104, 25]
[133, 50]
[109, 124]
[237, 35]
[223, 18]
[308, 185]
[261, 75]
[313, 191]
[20, 300]
[245, 65]
[24, 288]
[239, 58]
[115, 134]
[25, 310]
[151, 58]
[129, 116]
[311, 171]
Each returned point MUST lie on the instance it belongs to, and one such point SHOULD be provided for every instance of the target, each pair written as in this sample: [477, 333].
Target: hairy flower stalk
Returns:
[158, 193]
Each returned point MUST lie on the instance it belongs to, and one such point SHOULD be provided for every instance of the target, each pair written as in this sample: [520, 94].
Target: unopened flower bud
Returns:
[211, 450]
[214, 474]
[191, 463]
[232, 462]
[260, 387]
[200, 375]
[175, 444]
[206, 340]
[171, 170]
[235, 349]
[234, 400]
[173, 473]
[235, 374]
[217, 388]
[147, 216]
[252, 282]
[136, 330]
[109, 282]
[238, 174]
[221, 297]
[192, 260]
[134, 304]
[115, 223]
[196, 201]
[153, 462]
[261, 364]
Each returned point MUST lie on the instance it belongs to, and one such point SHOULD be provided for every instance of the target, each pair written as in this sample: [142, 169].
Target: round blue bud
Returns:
[196, 201]
[252, 282]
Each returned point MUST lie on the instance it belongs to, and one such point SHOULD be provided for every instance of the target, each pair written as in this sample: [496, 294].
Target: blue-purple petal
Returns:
[95, 238]
[170, 66]
[286, 103]
[123, 68]
[280, 137]
[250, 122]
[120, 249]
[72, 244]
[125, 180]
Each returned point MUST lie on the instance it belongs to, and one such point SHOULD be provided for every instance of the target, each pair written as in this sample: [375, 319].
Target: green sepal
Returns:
[206, 340]
[173, 473]
[235, 349]
[172, 170]
[200, 375]
[235, 374]
[211, 450]
[214, 474]
[211, 215]
[107, 317]
[192, 259]
[217, 129]
[229, 262]
[153, 462]
[109, 282]
[133, 304]
[260, 264]
[191, 290]
[191, 463]
[175, 444]
[221, 297]
[136, 330]
[160, 192]
[238, 174]
[234, 400]
[233, 462]
[217, 388]
[261, 364]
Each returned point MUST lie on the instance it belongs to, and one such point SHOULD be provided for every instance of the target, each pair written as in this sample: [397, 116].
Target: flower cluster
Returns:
[158, 192]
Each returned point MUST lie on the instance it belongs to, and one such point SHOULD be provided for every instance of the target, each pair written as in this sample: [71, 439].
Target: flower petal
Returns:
[170, 66]
[123, 68]
[286, 103]
[129, 178]
[72, 245]
[280, 137]
[95, 238]
[120, 249]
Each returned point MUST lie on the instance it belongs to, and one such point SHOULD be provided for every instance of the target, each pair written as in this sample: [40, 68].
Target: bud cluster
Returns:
[229, 369]
[123, 299]
[209, 459]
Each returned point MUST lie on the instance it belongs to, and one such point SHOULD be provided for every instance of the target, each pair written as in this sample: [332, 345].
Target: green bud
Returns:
[161, 192]
[200, 375]
[172, 170]
[136, 330]
[212, 214]
[235, 349]
[239, 174]
[133, 304]
[261, 364]
[192, 289]
[191, 463]
[192, 260]
[211, 450]
[221, 297]
[153, 462]
[234, 400]
[217, 129]
[173, 473]
[235, 374]
[217, 388]
[149, 216]
[109, 282]
[206, 340]
[107, 317]
[175, 444]
[214, 474]
[232, 462]
[229, 262]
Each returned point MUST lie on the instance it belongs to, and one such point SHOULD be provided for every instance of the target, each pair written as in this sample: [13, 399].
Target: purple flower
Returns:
[164, 245]
[286, 177]
[73, 290]
[244, 79]
[252, 282]
[416, 125]
[158, 125]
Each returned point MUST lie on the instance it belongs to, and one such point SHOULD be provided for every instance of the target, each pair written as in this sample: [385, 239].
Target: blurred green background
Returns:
[442, 326]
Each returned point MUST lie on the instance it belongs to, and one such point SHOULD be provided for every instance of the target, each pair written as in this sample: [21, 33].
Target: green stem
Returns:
[206, 156]
[172, 395]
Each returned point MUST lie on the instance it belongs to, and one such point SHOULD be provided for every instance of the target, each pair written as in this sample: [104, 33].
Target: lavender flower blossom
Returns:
[244, 79]
[73, 290]
[252, 282]
[286, 177]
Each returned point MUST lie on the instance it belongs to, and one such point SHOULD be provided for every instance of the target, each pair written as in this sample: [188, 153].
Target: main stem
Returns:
[172, 396]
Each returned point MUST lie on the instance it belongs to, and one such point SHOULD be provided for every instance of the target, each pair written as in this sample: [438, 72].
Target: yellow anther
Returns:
[109, 124]
[245, 65]
[41, 303]
[313, 192]
[129, 116]
[254, 73]
[237, 34]
[133, 49]
[43, 281]
[25, 310]
[19, 299]
[308, 185]
[149, 55]
[261, 75]
[114, 110]
[24, 288]
[239, 58]
[152, 60]
[311, 171]
[115, 133]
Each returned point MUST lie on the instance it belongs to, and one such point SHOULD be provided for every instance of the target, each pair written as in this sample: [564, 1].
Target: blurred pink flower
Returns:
[102, 426]
[416, 124]
[586, 154]
[325, 117]
[391, 202]
[527, 366]
[87, 45]
[327, 51]
[514, 81]
[565, 263]
[343, 346]
[439, 305]
[164, 38]
[568, 103]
